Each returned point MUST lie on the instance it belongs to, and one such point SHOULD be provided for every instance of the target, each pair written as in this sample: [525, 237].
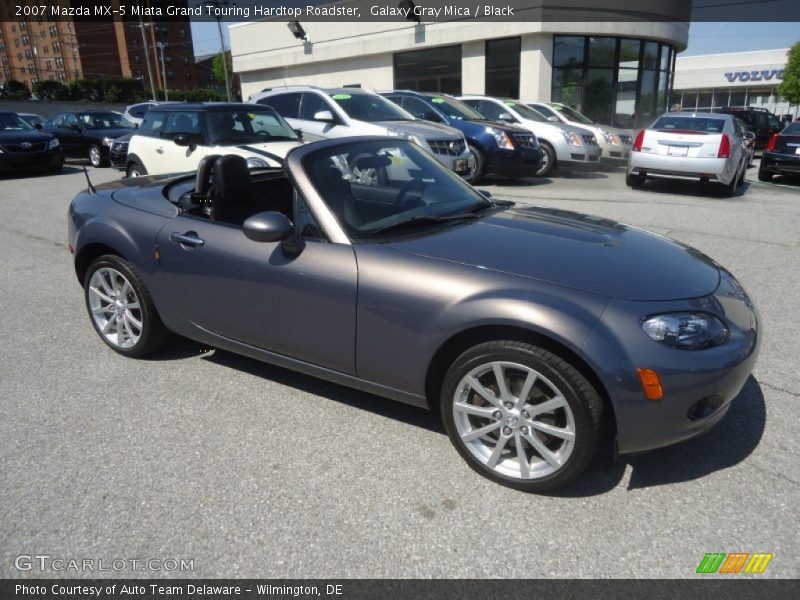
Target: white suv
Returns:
[347, 112]
[173, 138]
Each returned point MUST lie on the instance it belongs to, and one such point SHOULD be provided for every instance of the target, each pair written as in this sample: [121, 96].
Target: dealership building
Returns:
[616, 72]
[733, 79]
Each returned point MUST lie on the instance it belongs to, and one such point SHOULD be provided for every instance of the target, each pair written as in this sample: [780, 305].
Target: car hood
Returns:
[114, 133]
[125, 138]
[483, 123]
[423, 129]
[570, 249]
[19, 136]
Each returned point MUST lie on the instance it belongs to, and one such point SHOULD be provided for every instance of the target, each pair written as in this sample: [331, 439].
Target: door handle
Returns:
[160, 150]
[188, 238]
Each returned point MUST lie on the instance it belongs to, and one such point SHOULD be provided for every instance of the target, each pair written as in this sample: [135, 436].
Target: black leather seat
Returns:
[336, 192]
[233, 198]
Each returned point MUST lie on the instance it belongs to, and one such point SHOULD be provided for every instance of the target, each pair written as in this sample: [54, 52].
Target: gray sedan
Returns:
[535, 332]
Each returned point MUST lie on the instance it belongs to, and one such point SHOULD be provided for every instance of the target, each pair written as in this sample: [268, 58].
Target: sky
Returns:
[704, 38]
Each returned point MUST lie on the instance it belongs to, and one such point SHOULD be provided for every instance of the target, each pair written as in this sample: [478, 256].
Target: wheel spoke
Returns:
[101, 310]
[564, 434]
[107, 284]
[524, 465]
[131, 320]
[102, 295]
[543, 450]
[498, 451]
[547, 406]
[476, 433]
[530, 380]
[483, 392]
[502, 385]
[471, 409]
[107, 326]
[124, 289]
[132, 306]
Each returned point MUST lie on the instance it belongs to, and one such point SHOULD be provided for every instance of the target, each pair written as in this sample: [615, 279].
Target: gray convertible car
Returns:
[365, 262]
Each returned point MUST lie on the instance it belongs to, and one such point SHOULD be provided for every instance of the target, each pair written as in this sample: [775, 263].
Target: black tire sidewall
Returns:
[480, 164]
[152, 329]
[551, 165]
[583, 400]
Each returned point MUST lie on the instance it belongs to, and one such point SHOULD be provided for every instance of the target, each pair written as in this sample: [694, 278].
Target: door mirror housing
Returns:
[324, 116]
[506, 117]
[299, 133]
[553, 119]
[272, 226]
[38, 126]
[183, 139]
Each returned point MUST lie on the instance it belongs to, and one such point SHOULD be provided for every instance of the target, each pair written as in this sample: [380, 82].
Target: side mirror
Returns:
[485, 193]
[749, 135]
[325, 116]
[553, 119]
[299, 133]
[38, 126]
[507, 117]
[183, 139]
[272, 226]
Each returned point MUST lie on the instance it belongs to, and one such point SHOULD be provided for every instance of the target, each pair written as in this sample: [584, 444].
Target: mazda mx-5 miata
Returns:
[363, 261]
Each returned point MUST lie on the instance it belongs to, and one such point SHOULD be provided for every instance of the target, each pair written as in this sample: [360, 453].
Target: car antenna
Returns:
[92, 189]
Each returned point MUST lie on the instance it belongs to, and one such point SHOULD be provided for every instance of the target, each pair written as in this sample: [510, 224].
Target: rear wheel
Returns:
[548, 164]
[730, 189]
[479, 164]
[520, 415]
[762, 174]
[120, 307]
[634, 181]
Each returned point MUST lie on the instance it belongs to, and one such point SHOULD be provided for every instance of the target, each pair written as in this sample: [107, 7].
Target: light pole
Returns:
[147, 59]
[216, 4]
[161, 46]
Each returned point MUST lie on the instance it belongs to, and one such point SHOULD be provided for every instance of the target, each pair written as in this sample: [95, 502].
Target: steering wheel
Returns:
[400, 200]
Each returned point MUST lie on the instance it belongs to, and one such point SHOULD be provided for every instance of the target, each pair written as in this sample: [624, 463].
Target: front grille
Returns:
[34, 147]
[525, 140]
[589, 139]
[119, 147]
[447, 147]
[625, 139]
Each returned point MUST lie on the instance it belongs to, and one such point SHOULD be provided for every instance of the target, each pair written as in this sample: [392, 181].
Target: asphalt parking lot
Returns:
[252, 470]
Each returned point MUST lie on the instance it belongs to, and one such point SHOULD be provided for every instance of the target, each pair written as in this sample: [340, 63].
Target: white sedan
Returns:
[703, 147]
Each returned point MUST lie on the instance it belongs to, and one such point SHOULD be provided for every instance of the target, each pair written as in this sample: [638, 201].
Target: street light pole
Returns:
[161, 46]
[216, 4]
[147, 59]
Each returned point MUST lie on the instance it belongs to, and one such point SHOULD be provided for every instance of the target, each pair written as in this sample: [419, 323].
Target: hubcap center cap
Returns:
[512, 420]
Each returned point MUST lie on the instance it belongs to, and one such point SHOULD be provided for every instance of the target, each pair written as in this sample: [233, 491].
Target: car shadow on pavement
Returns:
[727, 444]
[692, 188]
[498, 182]
[32, 174]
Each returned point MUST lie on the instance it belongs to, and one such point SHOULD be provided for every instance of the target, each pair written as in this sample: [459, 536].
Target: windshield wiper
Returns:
[424, 220]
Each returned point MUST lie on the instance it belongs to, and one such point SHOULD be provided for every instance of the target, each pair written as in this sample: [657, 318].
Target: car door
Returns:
[70, 134]
[174, 158]
[144, 143]
[301, 306]
[286, 105]
[312, 104]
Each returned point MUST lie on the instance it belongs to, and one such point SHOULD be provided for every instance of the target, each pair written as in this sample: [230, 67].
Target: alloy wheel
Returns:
[94, 156]
[514, 420]
[115, 308]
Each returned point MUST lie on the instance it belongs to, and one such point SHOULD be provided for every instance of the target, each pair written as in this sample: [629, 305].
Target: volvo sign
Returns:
[762, 75]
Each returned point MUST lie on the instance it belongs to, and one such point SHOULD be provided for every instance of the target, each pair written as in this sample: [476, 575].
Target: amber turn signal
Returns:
[651, 384]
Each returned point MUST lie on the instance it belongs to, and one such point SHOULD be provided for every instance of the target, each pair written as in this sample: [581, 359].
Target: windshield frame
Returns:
[466, 111]
[25, 125]
[258, 109]
[573, 115]
[527, 112]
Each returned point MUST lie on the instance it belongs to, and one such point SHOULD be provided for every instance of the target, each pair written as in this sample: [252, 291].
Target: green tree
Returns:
[790, 86]
[218, 66]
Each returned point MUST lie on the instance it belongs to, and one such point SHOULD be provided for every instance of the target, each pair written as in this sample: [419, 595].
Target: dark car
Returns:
[118, 151]
[23, 147]
[88, 133]
[37, 121]
[526, 327]
[758, 120]
[497, 148]
[782, 154]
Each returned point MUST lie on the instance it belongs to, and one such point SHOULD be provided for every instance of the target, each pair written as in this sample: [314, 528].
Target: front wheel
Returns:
[520, 415]
[135, 170]
[548, 163]
[96, 156]
[120, 307]
[478, 164]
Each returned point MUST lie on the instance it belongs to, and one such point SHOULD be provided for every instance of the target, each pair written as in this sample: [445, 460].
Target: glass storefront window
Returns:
[568, 51]
[599, 95]
[737, 97]
[601, 51]
[704, 100]
[650, 55]
[568, 87]
[502, 67]
[430, 70]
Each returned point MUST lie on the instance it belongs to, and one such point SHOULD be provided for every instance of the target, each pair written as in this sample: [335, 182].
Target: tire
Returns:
[480, 165]
[135, 170]
[56, 169]
[764, 175]
[96, 156]
[104, 284]
[730, 189]
[548, 160]
[634, 181]
[576, 410]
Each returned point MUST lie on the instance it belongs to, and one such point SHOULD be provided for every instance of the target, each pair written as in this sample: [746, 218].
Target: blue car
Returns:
[495, 147]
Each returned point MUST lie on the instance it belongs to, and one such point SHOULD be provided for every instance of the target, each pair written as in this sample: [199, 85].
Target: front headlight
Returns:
[501, 137]
[610, 137]
[571, 138]
[686, 331]
[256, 163]
[54, 143]
[108, 141]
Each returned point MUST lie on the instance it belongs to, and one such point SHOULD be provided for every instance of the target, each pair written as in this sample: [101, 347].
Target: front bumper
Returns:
[24, 161]
[777, 162]
[615, 154]
[577, 156]
[522, 162]
[455, 163]
[118, 157]
[698, 385]
[685, 168]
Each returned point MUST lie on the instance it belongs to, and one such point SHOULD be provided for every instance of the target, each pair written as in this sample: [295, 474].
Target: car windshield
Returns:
[572, 114]
[13, 122]
[370, 107]
[379, 189]
[104, 120]
[793, 129]
[455, 109]
[694, 124]
[525, 111]
[249, 126]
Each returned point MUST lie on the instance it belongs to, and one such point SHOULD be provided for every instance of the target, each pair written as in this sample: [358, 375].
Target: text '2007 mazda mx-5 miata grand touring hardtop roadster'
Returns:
[365, 262]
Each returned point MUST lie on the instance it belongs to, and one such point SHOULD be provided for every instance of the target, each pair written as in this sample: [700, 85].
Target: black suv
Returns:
[758, 120]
